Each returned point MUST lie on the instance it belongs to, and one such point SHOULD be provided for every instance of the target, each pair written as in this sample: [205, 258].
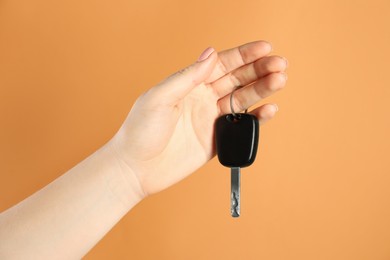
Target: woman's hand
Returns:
[169, 132]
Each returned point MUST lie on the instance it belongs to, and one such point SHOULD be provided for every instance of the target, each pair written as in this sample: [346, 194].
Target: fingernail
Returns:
[276, 108]
[206, 53]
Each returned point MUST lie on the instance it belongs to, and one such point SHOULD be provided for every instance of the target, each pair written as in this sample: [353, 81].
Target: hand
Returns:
[169, 132]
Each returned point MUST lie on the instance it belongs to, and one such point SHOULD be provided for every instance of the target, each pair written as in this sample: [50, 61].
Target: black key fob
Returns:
[237, 137]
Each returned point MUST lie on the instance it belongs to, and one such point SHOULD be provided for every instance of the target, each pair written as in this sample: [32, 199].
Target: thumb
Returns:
[178, 85]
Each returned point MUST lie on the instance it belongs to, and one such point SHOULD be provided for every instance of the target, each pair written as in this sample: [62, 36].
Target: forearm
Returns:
[69, 216]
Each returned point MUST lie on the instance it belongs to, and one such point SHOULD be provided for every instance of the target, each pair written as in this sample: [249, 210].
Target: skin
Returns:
[168, 134]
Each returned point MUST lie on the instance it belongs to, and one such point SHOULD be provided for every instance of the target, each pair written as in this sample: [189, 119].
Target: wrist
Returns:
[125, 184]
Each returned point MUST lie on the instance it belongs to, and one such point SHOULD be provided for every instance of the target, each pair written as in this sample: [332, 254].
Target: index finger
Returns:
[234, 58]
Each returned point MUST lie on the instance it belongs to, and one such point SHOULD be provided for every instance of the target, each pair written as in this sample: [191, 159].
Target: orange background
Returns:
[319, 189]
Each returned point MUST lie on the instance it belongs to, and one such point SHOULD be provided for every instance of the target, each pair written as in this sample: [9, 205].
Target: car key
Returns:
[237, 136]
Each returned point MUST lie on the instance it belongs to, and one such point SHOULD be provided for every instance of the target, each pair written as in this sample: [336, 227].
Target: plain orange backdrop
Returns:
[320, 187]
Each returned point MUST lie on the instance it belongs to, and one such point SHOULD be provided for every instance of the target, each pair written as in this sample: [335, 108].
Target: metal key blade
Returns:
[235, 192]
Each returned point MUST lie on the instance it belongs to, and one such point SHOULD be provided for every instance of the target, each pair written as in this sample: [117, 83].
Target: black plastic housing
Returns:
[237, 139]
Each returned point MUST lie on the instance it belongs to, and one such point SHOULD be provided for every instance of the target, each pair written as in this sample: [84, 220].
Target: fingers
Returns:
[265, 112]
[232, 59]
[251, 94]
[248, 74]
[177, 86]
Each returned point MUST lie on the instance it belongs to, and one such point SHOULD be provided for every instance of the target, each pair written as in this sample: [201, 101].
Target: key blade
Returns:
[235, 192]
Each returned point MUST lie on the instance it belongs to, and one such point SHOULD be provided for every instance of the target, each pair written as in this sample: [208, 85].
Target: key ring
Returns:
[231, 103]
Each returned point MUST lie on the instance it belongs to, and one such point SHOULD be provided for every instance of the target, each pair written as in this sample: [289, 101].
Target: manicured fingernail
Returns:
[206, 53]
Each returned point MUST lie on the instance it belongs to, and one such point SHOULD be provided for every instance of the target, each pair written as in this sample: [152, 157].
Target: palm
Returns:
[196, 126]
[177, 141]
[172, 134]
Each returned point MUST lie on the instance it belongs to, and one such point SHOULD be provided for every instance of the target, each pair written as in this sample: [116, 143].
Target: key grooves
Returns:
[235, 210]
[235, 192]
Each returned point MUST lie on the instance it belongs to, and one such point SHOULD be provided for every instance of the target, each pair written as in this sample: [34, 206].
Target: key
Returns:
[237, 138]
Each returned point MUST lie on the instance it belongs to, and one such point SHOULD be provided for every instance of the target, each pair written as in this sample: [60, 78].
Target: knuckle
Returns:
[235, 81]
[182, 71]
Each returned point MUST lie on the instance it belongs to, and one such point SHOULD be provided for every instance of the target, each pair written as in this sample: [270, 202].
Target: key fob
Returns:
[237, 138]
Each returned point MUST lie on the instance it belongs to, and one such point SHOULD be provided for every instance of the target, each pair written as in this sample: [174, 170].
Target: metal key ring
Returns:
[231, 103]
